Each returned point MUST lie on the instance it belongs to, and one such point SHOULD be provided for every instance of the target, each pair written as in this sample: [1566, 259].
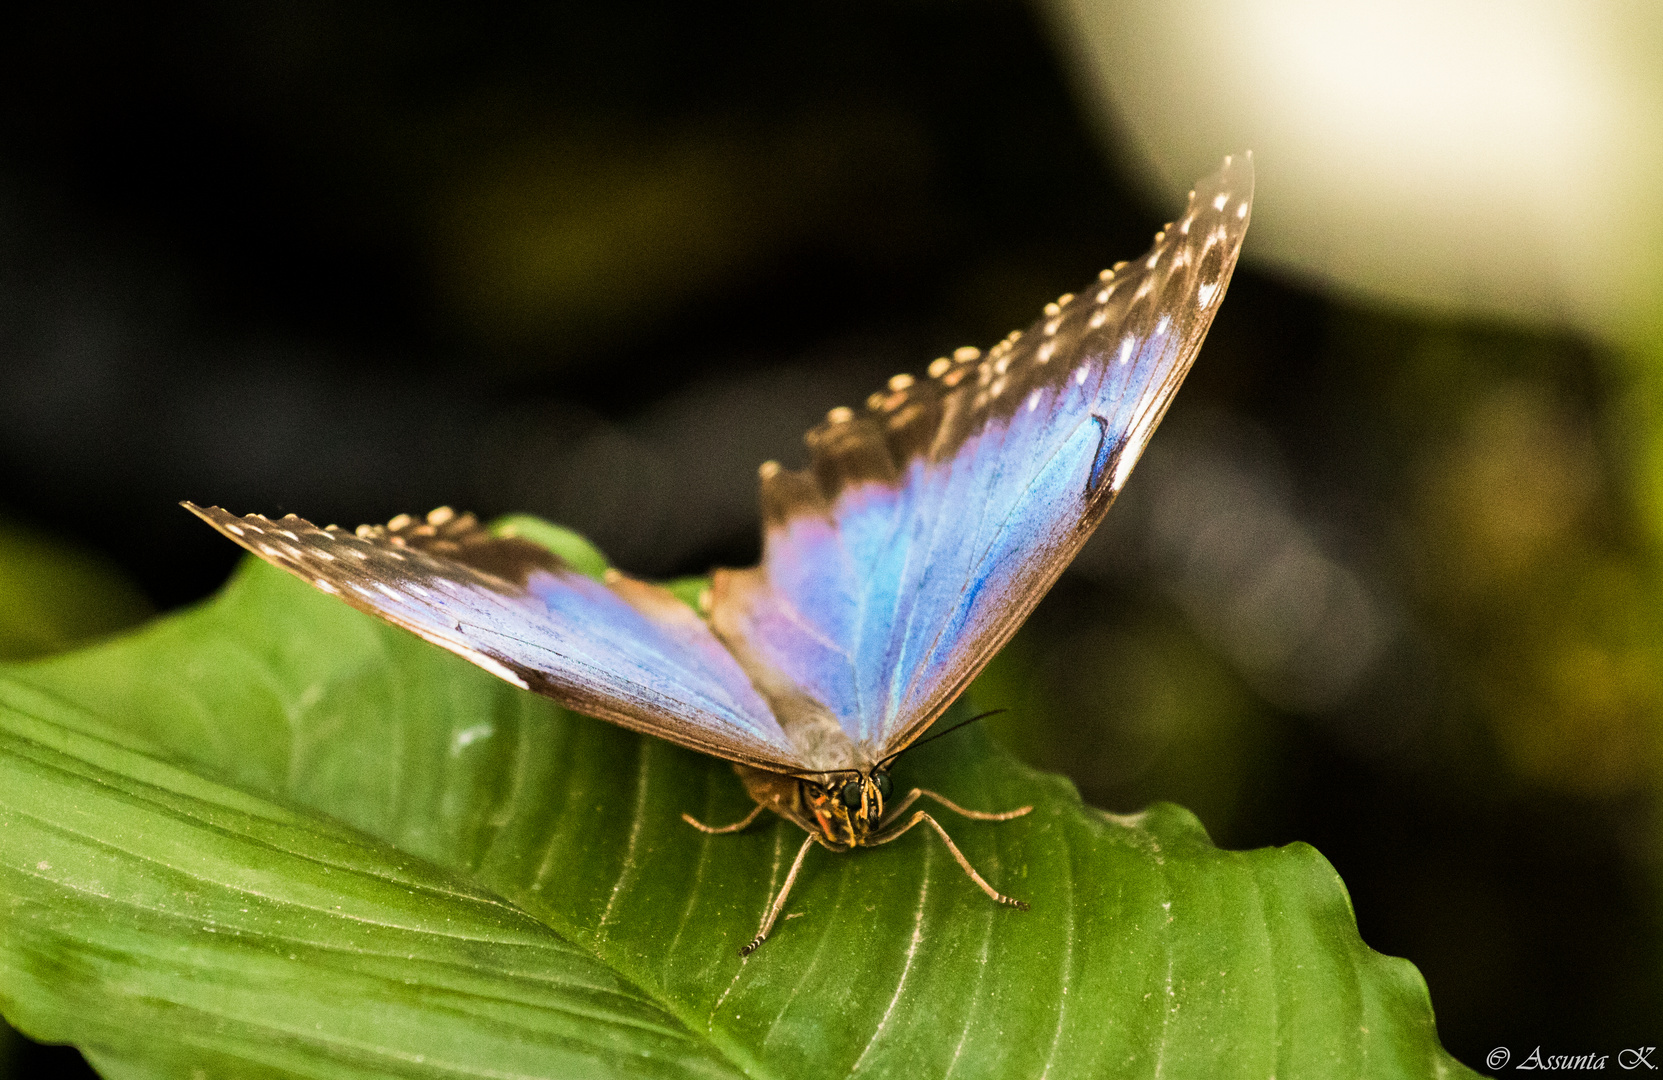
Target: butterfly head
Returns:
[848, 807]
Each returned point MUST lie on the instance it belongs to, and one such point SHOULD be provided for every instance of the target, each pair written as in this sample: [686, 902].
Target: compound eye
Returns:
[881, 779]
[851, 795]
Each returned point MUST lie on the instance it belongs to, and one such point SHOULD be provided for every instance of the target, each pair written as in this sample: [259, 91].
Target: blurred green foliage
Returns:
[568, 243]
[54, 596]
[1523, 546]
[1134, 708]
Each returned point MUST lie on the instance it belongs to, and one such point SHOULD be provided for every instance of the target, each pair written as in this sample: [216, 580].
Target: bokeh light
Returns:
[1470, 157]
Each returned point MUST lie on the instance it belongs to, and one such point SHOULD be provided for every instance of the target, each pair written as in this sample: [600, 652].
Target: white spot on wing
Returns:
[1219, 201]
[1126, 349]
[1080, 374]
[1033, 401]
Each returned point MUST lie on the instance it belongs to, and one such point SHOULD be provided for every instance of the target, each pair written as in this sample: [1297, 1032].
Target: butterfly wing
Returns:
[625, 650]
[929, 525]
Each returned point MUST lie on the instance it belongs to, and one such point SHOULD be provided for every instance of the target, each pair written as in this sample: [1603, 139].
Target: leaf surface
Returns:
[281, 838]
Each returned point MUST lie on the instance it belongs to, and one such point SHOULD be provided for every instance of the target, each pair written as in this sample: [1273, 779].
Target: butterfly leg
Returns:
[779, 901]
[964, 863]
[976, 815]
[717, 830]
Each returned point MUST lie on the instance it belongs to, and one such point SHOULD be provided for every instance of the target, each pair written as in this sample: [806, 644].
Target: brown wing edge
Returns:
[466, 534]
[913, 417]
[1136, 438]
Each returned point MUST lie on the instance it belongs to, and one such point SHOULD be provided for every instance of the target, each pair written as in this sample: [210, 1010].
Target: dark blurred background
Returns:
[1386, 582]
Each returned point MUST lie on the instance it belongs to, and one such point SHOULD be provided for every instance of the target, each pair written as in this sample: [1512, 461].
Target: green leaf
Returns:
[688, 589]
[284, 837]
[168, 923]
[578, 552]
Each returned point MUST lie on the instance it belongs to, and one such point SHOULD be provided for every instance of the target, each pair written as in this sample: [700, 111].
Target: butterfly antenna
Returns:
[884, 764]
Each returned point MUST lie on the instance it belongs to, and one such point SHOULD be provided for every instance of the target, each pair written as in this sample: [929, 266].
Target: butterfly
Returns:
[926, 527]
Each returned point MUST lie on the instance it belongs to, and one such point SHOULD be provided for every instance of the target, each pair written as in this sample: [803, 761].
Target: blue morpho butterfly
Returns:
[923, 532]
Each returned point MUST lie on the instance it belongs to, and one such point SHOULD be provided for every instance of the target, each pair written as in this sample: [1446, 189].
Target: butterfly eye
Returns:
[851, 795]
[881, 779]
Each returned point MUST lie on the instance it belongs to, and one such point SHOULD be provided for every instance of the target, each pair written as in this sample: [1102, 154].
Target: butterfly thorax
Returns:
[843, 809]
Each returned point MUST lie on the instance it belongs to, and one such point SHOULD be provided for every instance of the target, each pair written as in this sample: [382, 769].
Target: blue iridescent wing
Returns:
[929, 524]
[625, 650]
